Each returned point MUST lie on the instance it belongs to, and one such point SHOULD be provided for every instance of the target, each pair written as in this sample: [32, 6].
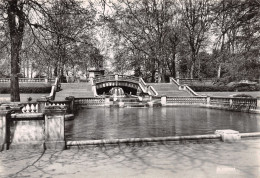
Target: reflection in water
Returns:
[105, 123]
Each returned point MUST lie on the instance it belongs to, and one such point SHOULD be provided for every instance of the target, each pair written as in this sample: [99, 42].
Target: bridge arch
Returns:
[129, 84]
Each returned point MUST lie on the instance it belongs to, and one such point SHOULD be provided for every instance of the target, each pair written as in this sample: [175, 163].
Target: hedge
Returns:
[27, 88]
[215, 88]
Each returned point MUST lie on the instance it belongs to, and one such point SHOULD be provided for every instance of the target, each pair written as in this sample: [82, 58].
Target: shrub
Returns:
[242, 95]
[27, 88]
[215, 88]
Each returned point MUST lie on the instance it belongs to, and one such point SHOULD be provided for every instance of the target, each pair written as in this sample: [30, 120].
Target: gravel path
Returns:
[241, 159]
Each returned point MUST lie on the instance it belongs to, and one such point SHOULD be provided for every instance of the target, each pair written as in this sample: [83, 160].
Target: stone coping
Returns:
[197, 105]
[179, 139]
[26, 116]
[139, 140]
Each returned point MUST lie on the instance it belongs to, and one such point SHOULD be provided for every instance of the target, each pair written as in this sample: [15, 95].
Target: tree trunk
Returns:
[15, 93]
[177, 66]
[219, 71]
[16, 21]
[153, 76]
[192, 70]
[55, 72]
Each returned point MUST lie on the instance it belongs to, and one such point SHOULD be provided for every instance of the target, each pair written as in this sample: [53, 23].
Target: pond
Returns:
[107, 123]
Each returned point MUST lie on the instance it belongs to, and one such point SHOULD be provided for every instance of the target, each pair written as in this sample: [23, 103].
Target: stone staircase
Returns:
[77, 90]
[168, 89]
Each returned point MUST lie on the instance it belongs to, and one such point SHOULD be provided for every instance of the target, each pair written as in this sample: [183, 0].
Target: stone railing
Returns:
[238, 103]
[30, 107]
[55, 88]
[32, 130]
[189, 90]
[142, 85]
[58, 103]
[56, 80]
[183, 87]
[115, 77]
[40, 104]
[94, 89]
[26, 80]
[90, 101]
[152, 91]
[147, 88]
[232, 103]
[222, 101]
[186, 100]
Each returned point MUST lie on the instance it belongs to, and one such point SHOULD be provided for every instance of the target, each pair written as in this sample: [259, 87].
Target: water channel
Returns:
[107, 123]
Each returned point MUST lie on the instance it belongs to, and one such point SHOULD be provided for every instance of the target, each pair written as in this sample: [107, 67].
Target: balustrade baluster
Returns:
[24, 109]
[32, 108]
[28, 108]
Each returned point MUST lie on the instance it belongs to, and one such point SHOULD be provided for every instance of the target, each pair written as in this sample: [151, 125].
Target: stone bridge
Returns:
[129, 84]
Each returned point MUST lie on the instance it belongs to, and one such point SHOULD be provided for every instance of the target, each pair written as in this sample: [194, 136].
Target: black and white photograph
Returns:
[130, 88]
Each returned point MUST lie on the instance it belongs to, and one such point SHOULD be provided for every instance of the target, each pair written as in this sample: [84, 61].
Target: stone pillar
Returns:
[208, 100]
[5, 115]
[54, 127]
[71, 105]
[107, 102]
[150, 104]
[15, 106]
[53, 91]
[258, 103]
[116, 76]
[163, 100]
[178, 80]
[121, 104]
[228, 135]
[41, 104]
[230, 102]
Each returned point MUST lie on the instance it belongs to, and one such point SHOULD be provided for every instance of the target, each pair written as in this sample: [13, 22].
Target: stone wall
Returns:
[32, 130]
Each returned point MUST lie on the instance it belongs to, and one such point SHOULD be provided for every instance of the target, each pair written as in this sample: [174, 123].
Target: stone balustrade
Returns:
[40, 104]
[26, 80]
[183, 87]
[187, 100]
[115, 77]
[30, 107]
[232, 103]
[90, 101]
[33, 130]
[147, 88]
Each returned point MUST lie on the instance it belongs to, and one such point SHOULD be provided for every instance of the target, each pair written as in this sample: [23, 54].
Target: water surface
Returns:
[107, 123]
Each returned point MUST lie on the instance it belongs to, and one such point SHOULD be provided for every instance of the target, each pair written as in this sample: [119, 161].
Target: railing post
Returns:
[15, 106]
[46, 80]
[178, 80]
[116, 76]
[71, 105]
[5, 116]
[208, 100]
[163, 100]
[258, 103]
[107, 101]
[41, 104]
[230, 102]
[54, 127]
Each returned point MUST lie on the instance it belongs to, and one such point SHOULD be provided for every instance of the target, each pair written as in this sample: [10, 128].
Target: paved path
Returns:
[219, 159]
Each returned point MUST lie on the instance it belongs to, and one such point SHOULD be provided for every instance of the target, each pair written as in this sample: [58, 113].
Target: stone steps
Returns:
[168, 89]
[77, 90]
